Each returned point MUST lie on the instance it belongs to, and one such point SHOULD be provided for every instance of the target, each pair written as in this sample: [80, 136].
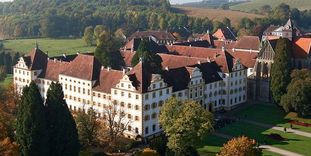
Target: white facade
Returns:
[142, 109]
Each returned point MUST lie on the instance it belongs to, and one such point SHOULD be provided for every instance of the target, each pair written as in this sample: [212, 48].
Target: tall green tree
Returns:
[150, 58]
[281, 68]
[107, 51]
[99, 32]
[298, 97]
[62, 130]
[185, 124]
[88, 36]
[31, 129]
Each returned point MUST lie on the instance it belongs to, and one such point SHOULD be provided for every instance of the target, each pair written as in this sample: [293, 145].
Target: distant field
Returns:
[216, 14]
[256, 4]
[52, 46]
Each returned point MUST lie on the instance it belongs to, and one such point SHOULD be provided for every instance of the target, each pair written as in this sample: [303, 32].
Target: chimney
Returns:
[64, 55]
[108, 68]
[233, 49]
[199, 62]
[166, 68]
[223, 48]
[190, 45]
[124, 71]
[102, 68]
[208, 60]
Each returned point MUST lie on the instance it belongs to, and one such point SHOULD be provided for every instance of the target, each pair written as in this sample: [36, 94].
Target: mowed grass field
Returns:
[256, 4]
[216, 14]
[268, 114]
[53, 46]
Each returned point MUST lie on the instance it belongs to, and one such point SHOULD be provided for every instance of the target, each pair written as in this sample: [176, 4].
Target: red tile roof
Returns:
[53, 69]
[176, 61]
[248, 59]
[248, 43]
[222, 58]
[108, 79]
[224, 34]
[302, 48]
[225, 44]
[85, 67]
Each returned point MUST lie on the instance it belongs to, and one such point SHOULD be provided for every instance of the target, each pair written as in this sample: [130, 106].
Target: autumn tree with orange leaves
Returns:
[8, 104]
[240, 146]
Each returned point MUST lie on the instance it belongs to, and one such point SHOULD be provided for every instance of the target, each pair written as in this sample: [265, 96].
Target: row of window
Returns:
[21, 80]
[153, 105]
[154, 94]
[74, 81]
[77, 89]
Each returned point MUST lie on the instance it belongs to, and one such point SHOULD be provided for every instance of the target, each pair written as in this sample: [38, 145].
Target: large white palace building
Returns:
[215, 78]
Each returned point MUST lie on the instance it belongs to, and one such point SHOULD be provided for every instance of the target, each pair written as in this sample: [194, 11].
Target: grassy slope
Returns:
[256, 4]
[52, 46]
[216, 14]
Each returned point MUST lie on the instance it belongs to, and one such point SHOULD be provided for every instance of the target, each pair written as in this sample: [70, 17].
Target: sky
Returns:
[183, 1]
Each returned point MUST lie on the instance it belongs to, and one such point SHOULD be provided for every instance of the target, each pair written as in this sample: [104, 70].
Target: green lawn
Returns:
[7, 80]
[52, 46]
[256, 4]
[269, 114]
[212, 144]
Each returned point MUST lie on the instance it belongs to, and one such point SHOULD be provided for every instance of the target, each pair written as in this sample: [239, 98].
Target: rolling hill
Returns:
[216, 14]
[256, 4]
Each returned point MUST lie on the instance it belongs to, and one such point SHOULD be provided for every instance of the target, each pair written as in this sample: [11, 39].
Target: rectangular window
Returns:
[146, 130]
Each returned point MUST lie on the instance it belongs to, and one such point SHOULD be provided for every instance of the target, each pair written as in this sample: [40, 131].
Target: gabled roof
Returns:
[248, 59]
[224, 44]
[85, 67]
[108, 79]
[302, 48]
[248, 43]
[222, 57]
[224, 34]
[36, 59]
[179, 78]
[176, 61]
[53, 69]
[141, 77]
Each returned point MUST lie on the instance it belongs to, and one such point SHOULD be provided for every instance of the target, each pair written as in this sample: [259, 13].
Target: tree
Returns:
[62, 130]
[8, 148]
[241, 146]
[8, 63]
[265, 9]
[185, 123]
[88, 35]
[99, 32]
[298, 95]
[88, 127]
[16, 58]
[281, 68]
[116, 122]
[151, 59]
[2, 73]
[227, 22]
[31, 132]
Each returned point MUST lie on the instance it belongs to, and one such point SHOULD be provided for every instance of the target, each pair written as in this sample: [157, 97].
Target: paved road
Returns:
[267, 147]
[279, 151]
